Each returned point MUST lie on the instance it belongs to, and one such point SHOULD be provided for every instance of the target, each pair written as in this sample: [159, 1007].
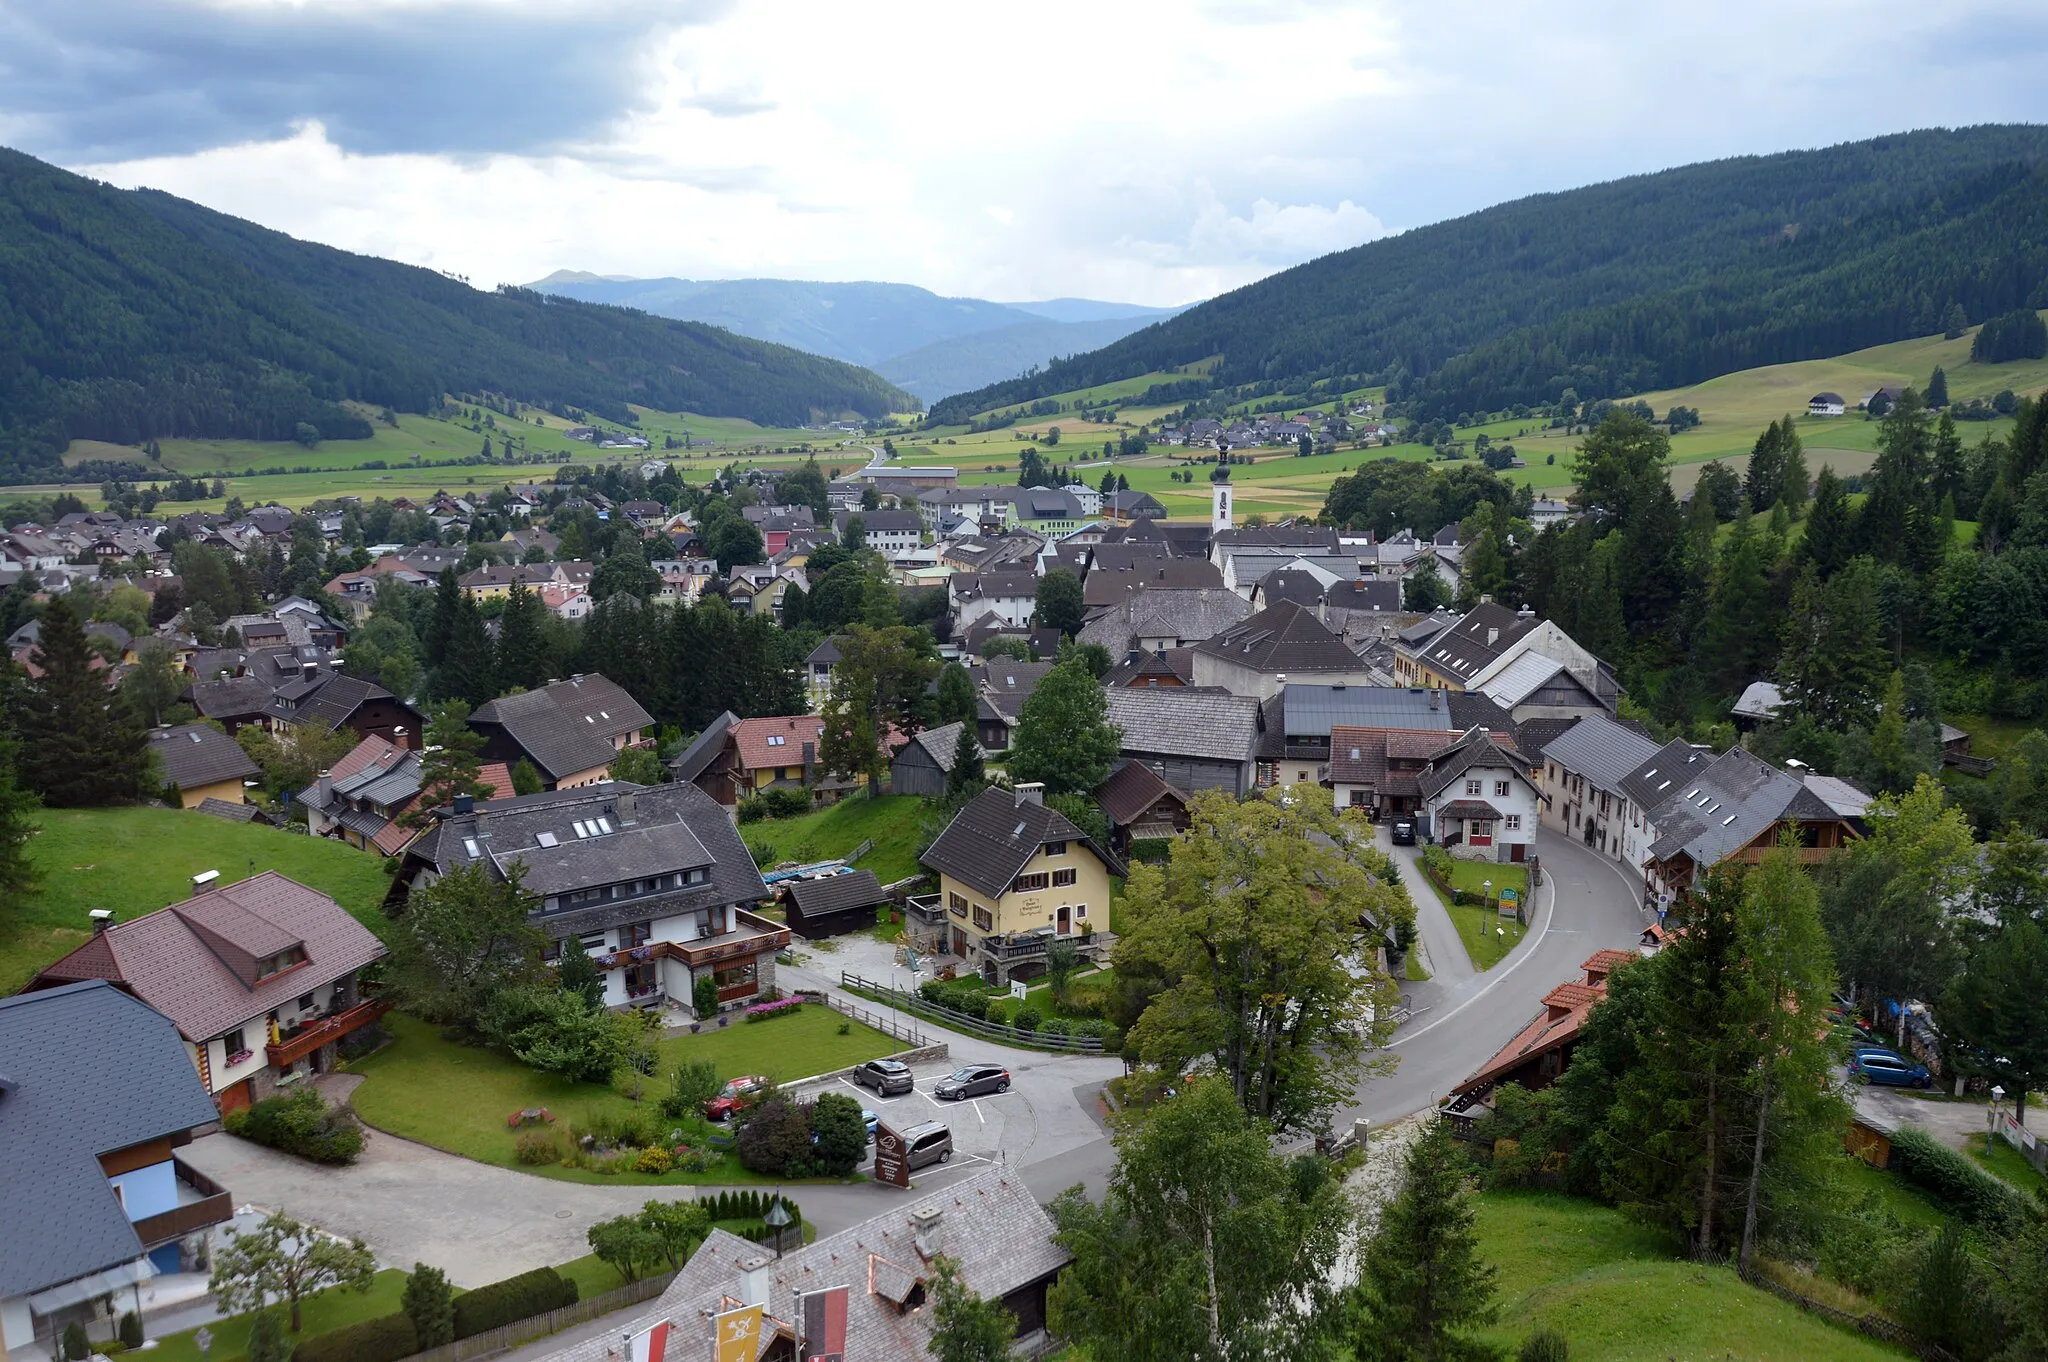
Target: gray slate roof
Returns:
[567, 726]
[1183, 722]
[1654, 781]
[197, 754]
[996, 834]
[941, 744]
[1727, 806]
[704, 747]
[1601, 750]
[89, 1071]
[1282, 638]
[1170, 612]
[990, 1224]
[1309, 710]
[837, 893]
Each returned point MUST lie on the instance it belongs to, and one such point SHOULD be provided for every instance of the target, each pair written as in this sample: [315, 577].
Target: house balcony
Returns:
[325, 1031]
[202, 1204]
[749, 937]
[929, 909]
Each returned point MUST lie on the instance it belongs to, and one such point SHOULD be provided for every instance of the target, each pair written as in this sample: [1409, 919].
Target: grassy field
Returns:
[320, 1314]
[457, 1097]
[1488, 934]
[137, 860]
[889, 822]
[1615, 1291]
[2000, 1158]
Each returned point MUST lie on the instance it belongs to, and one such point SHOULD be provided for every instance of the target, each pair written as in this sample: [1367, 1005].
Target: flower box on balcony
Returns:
[239, 1057]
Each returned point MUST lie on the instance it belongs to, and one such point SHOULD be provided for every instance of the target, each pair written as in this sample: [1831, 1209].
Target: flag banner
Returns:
[651, 1344]
[824, 1314]
[739, 1334]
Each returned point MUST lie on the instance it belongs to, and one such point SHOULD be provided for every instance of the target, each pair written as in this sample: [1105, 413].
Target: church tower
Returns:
[1219, 505]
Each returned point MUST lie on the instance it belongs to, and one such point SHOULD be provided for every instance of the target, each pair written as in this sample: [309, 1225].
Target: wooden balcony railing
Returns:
[326, 1031]
[751, 935]
[214, 1207]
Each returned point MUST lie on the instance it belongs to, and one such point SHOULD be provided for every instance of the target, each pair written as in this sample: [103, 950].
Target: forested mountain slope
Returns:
[1649, 282]
[126, 315]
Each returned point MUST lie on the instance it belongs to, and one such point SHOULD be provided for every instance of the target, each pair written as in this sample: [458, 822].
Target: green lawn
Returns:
[137, 860]
[1615, 1291]
[327, 1311]
[2008, 1163]
[457, 1097]
[1912, 1206]
[1488, 935]
[890, 822]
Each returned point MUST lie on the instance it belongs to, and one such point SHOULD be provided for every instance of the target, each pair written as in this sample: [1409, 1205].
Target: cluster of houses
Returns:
[1325, 429]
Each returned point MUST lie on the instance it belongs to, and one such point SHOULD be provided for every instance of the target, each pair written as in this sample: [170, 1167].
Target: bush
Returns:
[973, 1000]
[653, 1161]
[301, 1124]
[75, 1344]
[934, 992]
[1151, 850]
[1545, 1345]
[383, 1339]
[515, 1298]
[782, 1008]
[776, 803]
[131, 1329]
[1952, 1178]
[429, 1303]
[776, 1138]
[1028, 1018]
[839, 1136]
[1056, 1026]
[537, 1147]
[690, 1086]
[704, 997]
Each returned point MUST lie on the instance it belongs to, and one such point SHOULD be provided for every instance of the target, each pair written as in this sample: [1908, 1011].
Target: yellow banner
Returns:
[739, 1334]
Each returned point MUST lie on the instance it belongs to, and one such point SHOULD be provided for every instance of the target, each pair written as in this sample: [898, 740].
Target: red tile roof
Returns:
[1565, 1009]
[751, 736]
[189, 961]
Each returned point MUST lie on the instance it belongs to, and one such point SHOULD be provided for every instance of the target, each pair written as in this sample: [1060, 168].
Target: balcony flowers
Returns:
[781, 1007]
[239, 1057]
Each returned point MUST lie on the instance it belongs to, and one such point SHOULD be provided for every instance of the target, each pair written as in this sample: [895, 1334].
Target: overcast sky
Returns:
[1152, 153]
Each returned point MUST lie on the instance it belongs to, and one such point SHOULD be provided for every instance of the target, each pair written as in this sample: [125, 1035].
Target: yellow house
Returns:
[1013, 876]
[203, 762]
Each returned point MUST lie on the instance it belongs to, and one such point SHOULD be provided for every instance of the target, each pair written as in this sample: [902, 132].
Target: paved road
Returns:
[1463, 1016]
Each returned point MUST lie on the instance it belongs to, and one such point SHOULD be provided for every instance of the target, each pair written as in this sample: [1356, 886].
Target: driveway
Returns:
[1948, 1119]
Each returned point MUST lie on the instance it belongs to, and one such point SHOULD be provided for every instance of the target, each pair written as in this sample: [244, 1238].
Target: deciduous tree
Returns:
[461, 939]
[965, 1327]
[1059, 602]
[878, 692]
[1064, 740]
[283, 1260]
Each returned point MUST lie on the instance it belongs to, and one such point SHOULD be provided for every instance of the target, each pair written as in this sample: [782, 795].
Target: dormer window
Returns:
[279, 963]
[1055, 848]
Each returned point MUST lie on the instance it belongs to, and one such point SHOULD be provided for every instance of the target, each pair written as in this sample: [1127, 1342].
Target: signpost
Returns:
[892, 1157]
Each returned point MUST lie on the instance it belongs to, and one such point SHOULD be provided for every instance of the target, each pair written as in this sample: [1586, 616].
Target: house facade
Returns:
[1013, 875]
[570, 730]
[203, 762]
[261, 977]
[654, 882]
[1584, 771]
[97, 1199]
[1479, 800]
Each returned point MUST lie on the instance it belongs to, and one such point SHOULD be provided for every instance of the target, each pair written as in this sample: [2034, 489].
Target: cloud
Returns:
[1177, 152]
[109, 80]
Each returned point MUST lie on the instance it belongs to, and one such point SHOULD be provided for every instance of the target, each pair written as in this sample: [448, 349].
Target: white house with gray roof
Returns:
[653, 881]
[1584, 771]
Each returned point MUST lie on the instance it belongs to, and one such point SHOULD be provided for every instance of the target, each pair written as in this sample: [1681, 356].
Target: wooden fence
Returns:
[916, 1005]
[548, 1322]
[888, 1026]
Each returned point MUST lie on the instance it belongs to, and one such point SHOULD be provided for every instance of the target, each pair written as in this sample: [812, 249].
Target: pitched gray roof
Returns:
[1727, 806]
[836, 893]
[704, 747]
[653, 831]
[567, 726]
[1653, 782]
[990, 1224]
[1308, 710]
[995, 835]
[1165, 612]
[89, 1070]
[941, 744]
[1183, 722]
[198, 754]
[1601, 750]
[1282, 638]
[1134, 788]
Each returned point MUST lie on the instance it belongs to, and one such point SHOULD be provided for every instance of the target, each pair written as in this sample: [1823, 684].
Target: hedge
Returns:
[301, 1123]
[747, 1205]
[515, 1298]
[386, 1338]
[1952, 1178]
[1151, 850]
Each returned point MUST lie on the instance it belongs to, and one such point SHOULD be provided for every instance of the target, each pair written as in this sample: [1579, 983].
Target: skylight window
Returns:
[1693, 791]
[776, 740]
[604, 825]
[469, 845]
[582, 828]
[547, 839]
[1729, 819]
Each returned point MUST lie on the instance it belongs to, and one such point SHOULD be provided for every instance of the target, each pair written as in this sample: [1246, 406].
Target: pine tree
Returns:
[441, 623]
[1834, 657]
[449, 764]
[1954, 322]
[80, 746]
[1795, 488]
[578, 974]
[1950, 476]
[968, 775]
[466, 671]
[1765, 481]
[1937, 389]
[522, 658]
[1422, 1285]
[1828, 525]
[19, 877]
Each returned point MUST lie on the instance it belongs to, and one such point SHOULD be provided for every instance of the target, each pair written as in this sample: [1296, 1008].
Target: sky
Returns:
[1140, 152]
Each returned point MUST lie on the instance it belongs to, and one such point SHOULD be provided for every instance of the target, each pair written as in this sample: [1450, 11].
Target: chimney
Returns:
[754, 1282]
[483, 826]
[924, 1226]
[464, 803]
[324, 786]
[102, 918]
[629, 807]
[1031, 792]
[1492, 637]
[1435, 700]
[1486, 600]
[205, 880]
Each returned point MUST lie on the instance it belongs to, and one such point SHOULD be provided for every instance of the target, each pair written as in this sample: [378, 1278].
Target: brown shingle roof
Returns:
[1134, 788]
[194, 961]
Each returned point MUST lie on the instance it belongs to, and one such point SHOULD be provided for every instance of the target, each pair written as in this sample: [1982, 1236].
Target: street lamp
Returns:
[777, 1220]
[1991, 1117]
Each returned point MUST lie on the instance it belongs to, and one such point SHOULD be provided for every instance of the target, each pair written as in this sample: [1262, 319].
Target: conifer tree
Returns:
[968, 775]
[466, 671]
[450, 765]
[1765, 481]
[1423, 1285]
[80, 746]
[522, 659]
[1795, 488]
[19, 877]
[1828, 525]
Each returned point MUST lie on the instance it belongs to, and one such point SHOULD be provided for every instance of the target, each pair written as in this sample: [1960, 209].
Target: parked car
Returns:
[888, 1077]
[973, 1081]
[870, 1120]
[931, 1142]
[736, 1096]
[1875, 1064]
[1404, 832]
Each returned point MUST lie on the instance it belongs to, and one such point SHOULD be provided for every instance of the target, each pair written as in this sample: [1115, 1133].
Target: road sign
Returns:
[1510, 899]
[892, 1157]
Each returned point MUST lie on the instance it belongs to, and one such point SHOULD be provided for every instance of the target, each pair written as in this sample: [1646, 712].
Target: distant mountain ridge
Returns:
[131, 314]
[927, 344]
[1639, 284]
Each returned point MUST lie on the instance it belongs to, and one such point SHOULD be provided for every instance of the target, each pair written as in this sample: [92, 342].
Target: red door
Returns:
[1518, 852]
[234, 1098]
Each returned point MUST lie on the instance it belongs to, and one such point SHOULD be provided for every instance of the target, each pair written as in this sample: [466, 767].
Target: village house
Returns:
[1140, 806]
[1584, 773]
[570, 730]
[1284, 642]
[1193, 739]
[203, 762]
[923, 765]
[1479, 800]
[261, 977]
[1009, 596]
[97, 1199]
[1013, 874]
[1541, 1050]
[362, 799]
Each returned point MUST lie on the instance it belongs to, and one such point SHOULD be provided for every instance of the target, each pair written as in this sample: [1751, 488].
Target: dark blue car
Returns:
[1875, 1064]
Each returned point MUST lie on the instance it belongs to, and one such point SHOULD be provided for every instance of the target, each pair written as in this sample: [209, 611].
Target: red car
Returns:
[736, 1096]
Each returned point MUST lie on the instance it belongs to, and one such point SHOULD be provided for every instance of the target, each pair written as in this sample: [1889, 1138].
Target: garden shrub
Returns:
[387, 1338]
[1056, 1026]
[783, 1007]
[653, 1162]
[1545, 1345]
[75, 1345]
[933, 991]
[690, 1086]
[429, 1302]
[1151, 850]
[1092, 1029]
[515, 1298]
[130, 1332]
[301, 1124]
[775, 1138]
[973, 1001]
[776, 803]
[1002, 1011]
[1953, 1178]
[839, 1135]
[1028, 1018]
[536, 1147]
